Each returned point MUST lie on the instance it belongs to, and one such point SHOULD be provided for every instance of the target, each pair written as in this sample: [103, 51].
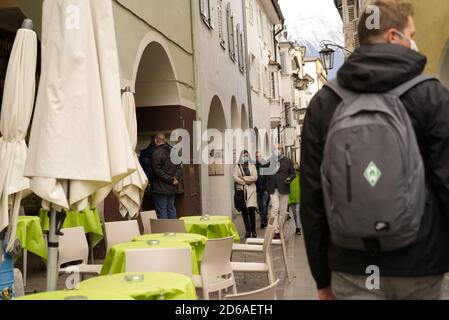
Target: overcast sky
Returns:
[311, 21]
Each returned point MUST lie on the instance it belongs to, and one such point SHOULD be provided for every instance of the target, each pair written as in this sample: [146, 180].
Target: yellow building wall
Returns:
[432, 24]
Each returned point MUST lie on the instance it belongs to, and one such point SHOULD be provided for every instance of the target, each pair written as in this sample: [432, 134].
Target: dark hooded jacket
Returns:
[376, 69]
[164, 171]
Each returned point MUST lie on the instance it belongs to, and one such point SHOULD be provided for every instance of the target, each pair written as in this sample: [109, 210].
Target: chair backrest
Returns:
[162, 226]
[268, 293]
[216, 260]
[73, 246]
[177, 260]
[146, 217]
[18, 284]
[120, 232]
[269, 234]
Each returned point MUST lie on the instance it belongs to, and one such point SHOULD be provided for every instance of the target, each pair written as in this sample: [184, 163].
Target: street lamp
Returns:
[327, 54]
[327, 57]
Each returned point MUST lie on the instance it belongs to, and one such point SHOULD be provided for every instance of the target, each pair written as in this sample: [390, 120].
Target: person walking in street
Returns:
[374, 214]
[245, 178]
[278, 185]
[262, 194]
[166, 176]
[294, 200]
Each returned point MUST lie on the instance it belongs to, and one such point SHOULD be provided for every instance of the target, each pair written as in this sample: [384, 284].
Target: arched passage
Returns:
[160, 110]
[245, 122]
[235, 121]
[218, 172]
[156, 84]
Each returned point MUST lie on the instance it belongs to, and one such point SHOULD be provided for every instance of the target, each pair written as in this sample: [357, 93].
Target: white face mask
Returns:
[413, 45]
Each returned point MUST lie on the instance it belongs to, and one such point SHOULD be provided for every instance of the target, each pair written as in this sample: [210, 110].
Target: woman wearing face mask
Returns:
[245, 178]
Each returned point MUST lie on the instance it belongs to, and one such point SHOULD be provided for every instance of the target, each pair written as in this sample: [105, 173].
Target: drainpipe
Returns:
[248, 68]
[275, 34]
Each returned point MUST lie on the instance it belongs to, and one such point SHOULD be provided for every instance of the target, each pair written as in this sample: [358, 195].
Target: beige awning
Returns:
[130, 191]
[79, 132]
[17, 108]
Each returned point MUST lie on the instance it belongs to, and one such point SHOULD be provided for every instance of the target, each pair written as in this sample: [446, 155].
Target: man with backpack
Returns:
[375, 170]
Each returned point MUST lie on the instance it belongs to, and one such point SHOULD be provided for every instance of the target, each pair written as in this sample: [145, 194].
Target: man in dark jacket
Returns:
[166, 176]
[262, 195]
[278, 184]
[386, 59]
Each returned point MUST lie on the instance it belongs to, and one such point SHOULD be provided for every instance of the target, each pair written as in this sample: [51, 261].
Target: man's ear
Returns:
[390, 36]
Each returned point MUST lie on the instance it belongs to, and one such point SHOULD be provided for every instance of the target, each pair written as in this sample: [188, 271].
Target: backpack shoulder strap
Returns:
[407, 86]
[343, 93]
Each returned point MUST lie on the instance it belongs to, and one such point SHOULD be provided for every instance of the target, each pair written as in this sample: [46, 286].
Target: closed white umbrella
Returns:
[79, 144]
[130, 191]
[17, 108]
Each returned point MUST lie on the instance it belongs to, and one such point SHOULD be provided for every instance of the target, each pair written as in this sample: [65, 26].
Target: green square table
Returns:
[31, 237]
[214, 228]
[95, 295]
[197, 243]
[155, 286]
[89, 219]
[115, 261]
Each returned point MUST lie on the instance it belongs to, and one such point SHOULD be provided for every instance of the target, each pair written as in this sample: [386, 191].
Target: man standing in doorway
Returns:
[278, 185]
[166, 177]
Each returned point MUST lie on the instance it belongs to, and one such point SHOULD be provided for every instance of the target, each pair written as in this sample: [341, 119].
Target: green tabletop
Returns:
[115, 261]
[94, 295]
[155, 286]
[30, 235]
[197, 242]
[89, 219]
[216, 227]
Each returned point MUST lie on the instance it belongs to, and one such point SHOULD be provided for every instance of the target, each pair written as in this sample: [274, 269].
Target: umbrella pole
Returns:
[56, 221]
[53, 244]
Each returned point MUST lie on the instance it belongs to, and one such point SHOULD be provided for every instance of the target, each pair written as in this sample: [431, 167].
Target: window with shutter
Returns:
[205, 11]
[351, 13]
[232, 39]
[251, 12]
[242, 53]
[220, 23]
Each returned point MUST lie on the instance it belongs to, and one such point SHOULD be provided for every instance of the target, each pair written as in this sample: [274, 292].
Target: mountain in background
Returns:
[310, 22]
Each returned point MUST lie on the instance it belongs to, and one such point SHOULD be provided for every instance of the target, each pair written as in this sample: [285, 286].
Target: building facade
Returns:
[264, 21]
[222, 95]
[205, 66]
[157, 63]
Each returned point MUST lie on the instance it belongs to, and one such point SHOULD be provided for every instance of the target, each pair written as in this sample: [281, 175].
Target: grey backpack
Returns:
[373, 175]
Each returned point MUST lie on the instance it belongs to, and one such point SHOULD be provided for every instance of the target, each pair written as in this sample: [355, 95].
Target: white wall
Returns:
[260, 47]
[218, 75]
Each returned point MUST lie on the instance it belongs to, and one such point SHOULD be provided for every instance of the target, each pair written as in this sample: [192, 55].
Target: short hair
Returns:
[394, 14]
[160, 138]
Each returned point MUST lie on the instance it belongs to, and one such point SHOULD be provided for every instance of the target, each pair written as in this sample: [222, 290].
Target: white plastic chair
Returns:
[259, 241]
[146, 216]
[73, 247]
[176, 260]
[264, 294]
[216, 270]
[266, 266]
[18, 284]
[163, 225]
[120, 232]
